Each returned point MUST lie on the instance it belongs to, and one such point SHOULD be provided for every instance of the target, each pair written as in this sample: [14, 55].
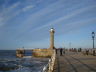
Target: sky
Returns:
[26, 23]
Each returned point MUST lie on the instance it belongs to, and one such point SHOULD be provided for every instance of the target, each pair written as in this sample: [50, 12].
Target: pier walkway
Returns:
[75, 62]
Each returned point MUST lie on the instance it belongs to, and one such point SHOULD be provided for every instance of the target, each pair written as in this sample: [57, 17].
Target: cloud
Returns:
[74, 13]
[14, 6]
[73, 25]
[51, 12]
[39, 1]
[46, 13]
[27, 25]
[10, 8]
[7, 13]
[28, 7]
[1, 21]
[80, 23]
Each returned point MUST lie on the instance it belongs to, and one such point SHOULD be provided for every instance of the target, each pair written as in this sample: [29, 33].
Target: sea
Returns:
[10, 63]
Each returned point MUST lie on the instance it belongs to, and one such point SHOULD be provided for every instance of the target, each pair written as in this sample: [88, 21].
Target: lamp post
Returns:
[93, 36]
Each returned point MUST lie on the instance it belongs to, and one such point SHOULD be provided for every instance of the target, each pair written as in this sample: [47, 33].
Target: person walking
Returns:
[64, 51]
[87, 52]
[56, 51]
[93, 52]
[61, 50]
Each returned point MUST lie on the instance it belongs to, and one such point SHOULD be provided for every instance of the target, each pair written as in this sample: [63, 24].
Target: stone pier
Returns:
[20, 53]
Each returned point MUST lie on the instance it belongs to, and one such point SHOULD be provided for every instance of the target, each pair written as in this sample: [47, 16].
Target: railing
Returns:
[50, 66]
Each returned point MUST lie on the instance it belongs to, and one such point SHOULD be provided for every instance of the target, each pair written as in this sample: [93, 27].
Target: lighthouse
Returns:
[52, 31]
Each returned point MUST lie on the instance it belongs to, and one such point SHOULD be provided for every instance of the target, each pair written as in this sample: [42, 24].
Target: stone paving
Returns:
[75, 62]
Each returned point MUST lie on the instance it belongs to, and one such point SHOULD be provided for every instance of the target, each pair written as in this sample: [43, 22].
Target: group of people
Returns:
[62, 51]
[87, 52]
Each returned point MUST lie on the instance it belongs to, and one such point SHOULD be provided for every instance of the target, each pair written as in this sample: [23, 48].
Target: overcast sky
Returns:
[27, 23]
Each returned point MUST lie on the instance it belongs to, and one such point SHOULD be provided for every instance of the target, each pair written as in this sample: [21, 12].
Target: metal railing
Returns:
[50, 66]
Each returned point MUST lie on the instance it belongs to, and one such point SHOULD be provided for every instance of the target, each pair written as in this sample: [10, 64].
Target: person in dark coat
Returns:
[93, 52]
[87, 52]
[56, 51]
[61, 50]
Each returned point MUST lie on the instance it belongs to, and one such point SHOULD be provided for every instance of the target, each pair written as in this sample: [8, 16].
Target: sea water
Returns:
[10, 63]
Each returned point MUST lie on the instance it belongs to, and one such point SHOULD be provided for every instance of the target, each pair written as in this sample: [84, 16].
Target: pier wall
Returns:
[20, 53]
[50, 66]
[35, 52]
[42, 52]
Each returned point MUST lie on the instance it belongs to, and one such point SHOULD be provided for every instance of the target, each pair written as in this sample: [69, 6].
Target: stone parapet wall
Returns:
[20, 53]
[42, 52]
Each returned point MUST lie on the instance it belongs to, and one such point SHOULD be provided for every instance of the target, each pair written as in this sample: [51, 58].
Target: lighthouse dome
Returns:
[52, 29]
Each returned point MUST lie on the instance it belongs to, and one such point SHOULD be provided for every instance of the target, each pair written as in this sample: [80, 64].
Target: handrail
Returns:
[50, 66]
